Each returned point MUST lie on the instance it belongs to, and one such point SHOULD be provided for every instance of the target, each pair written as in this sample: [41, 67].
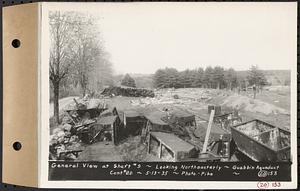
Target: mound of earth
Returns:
[252, 105]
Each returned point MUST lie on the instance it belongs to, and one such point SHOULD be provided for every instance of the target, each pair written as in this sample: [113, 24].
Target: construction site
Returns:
[184, 124]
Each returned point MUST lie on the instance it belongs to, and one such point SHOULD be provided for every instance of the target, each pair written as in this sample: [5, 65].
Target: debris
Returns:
[127, 91]
[67, 127]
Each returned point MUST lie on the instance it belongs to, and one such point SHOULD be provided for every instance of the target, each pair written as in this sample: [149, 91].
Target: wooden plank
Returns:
[211, 118]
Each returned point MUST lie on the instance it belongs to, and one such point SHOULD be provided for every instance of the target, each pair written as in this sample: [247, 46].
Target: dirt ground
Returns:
[272, 106]
[64, 102]
[100, 152]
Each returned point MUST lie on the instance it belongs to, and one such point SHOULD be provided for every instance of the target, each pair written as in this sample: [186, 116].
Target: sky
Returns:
[143, 37]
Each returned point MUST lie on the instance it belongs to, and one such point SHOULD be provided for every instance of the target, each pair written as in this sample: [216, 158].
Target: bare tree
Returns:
[60, 29]
[76, 55]
[102, 74]
[87, 51]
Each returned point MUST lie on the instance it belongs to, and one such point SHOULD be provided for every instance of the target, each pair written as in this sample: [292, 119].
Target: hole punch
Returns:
[16, 43]
[17, 146]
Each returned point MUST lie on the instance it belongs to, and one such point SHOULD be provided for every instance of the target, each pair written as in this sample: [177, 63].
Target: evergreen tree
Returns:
[231, 78]
[256, 77]
[186, 78]
[218, 77]
[198, 75]
[172, 80]
[128, 81]
[209, 77]
[160, 78]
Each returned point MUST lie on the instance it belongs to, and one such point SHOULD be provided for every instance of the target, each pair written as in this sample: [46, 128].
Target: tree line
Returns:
[210, 77]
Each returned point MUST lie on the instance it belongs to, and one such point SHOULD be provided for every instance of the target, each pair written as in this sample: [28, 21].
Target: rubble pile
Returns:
[86, 103]
[127, 91]
[67, 139]
[63, 144]
[177, 97]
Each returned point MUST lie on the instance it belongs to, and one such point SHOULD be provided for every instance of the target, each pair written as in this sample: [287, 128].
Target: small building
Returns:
[216, 132]
[134, 122]
[155, 123]
[168, 147]
[109, 112]
[109, 128]
[219, 139]
[181, 118]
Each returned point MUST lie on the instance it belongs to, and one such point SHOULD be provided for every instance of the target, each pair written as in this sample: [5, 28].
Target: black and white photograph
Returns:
[171, 82]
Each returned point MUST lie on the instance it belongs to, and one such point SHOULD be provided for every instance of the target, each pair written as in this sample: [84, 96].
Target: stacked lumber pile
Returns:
[127, 91]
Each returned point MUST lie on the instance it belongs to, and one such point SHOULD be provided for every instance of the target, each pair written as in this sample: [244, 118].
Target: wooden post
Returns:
[149, 141]
[124, 120]
[116, 131]
[254, 91]
[211, 118]
[175, 157]
[77, 105]
[160, 148]
[112, 134]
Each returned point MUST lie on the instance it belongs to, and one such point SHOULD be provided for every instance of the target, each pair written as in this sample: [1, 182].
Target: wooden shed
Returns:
[154, 123]
[134, 122]
[181, 118]
[168, 147]
[109, 112]
[111, 128]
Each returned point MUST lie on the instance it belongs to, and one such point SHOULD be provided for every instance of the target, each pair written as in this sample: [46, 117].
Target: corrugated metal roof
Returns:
[173, 142]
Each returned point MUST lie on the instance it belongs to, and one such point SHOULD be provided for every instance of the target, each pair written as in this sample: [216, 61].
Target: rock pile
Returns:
[64, 145]
[127, 91]
[67, 139]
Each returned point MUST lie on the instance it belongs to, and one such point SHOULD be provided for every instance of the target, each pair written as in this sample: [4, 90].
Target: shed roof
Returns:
[181, 113]
[155, 117]
[132, 113]
[107, 120]
[215, 133]
[173, 142]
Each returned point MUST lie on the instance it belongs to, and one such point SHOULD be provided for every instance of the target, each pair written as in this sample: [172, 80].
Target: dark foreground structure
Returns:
[169, 147]
[171, 134]
[261, 141]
